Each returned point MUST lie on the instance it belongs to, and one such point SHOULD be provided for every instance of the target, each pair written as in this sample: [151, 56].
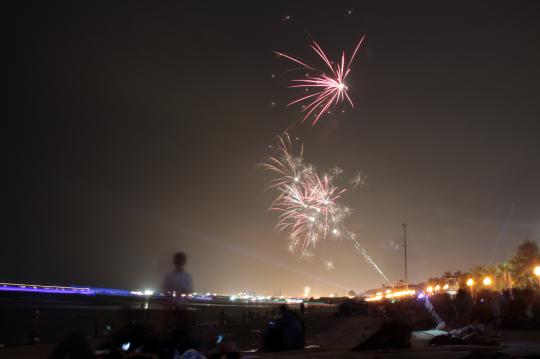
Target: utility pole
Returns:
[405, 248]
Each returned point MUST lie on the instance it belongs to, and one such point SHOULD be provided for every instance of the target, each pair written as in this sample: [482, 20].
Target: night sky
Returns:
[138, 127]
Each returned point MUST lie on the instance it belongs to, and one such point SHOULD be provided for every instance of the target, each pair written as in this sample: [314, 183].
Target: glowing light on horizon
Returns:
[389, 294]
[37, 288]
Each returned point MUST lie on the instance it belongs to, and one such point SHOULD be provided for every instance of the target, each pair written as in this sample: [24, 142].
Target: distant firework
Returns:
[330, 89]
[360, 179]
[329, 264]
[306, 202]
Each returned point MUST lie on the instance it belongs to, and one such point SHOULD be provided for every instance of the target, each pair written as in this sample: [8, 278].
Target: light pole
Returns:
[405, 249]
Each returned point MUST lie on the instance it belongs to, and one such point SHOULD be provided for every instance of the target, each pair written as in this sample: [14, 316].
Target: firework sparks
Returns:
[329, 264]
[329, 89]
[306, 203]
[336, 171]
[360, 179]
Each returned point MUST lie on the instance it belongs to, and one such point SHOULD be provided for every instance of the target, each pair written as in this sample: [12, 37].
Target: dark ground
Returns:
[333, 336]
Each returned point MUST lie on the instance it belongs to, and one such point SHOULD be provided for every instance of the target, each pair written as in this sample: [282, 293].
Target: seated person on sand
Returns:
[286, 333]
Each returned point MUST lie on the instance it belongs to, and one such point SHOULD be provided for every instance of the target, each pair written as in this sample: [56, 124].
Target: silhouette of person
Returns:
[178, 281]
[286, 333]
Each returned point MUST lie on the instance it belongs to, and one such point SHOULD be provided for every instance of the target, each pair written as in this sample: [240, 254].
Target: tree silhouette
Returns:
[515, 272]
[521, 264]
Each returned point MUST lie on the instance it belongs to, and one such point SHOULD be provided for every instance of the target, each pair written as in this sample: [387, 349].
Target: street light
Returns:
[470, 283]
[437, 288]
[429, 289]
[536, 272]
[487, 281]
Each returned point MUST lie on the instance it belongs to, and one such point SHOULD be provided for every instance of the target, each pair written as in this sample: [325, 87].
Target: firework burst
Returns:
[330, 87]
[307, 202]
[360, 179]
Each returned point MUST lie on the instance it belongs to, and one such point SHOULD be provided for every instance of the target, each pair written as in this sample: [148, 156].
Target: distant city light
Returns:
[389, 294]
[374, 299]
[20, 287]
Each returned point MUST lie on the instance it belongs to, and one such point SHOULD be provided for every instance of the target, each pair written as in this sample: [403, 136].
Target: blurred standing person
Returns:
[178, 281]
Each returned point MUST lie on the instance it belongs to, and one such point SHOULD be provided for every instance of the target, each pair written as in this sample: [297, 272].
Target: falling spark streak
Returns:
[307, 202]
[330, 89]
[370, 260]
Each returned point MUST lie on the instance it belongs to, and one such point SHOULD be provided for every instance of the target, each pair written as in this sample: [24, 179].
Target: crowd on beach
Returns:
[441, 319]
[287, 332]
[175, 338]
[510, 308]
[413, 322]
[417, 321]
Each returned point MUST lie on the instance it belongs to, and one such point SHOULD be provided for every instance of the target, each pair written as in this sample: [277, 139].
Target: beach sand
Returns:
[327, 336]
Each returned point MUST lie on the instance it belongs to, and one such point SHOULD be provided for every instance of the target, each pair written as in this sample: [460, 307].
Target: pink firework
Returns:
[330, 89]
[308, 210]
[307, 202]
